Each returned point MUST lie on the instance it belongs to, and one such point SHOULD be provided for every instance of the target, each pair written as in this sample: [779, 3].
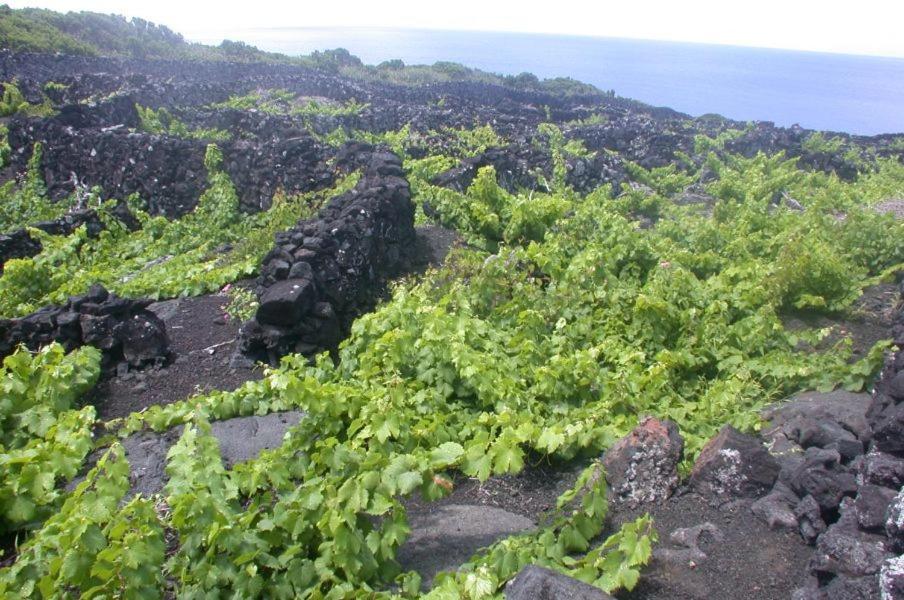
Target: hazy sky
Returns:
[858, 27]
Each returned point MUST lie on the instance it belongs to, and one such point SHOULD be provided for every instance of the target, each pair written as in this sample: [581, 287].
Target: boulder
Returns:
[894, 522]
[888, 430]
[847, 409]
[845, 550]
[733, 465]
[446, 536]
[871, 505]
[891, 579]
[883, 469]
[822, 478]
[842, 587]
[539, 583]
[143, 339]
[286, 302]
[642, 467]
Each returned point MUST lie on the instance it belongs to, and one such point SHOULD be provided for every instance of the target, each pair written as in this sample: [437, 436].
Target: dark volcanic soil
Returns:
[202, 340]
[869, 321]
[751, 562]
[530, 493]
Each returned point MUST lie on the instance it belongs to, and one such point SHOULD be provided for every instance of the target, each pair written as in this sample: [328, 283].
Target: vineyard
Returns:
[572, 306]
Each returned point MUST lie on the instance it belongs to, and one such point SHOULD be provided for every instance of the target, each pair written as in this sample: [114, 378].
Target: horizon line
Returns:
[550, 34]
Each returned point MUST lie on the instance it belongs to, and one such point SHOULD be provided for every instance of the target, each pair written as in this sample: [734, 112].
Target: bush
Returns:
[43, 441]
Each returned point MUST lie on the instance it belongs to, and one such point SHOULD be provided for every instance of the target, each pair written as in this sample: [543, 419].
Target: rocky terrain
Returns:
[810, 507]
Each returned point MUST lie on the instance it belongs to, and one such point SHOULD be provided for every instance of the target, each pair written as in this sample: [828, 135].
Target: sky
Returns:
[863, 27]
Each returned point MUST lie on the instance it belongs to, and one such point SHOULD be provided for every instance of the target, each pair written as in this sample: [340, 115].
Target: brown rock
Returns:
[643, 466]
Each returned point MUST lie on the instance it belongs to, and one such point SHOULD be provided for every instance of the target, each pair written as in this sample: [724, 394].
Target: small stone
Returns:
[688, 541]
[809, 519]
[776, 508]
[122, 369]
[140, 387]
[279, 269]
[301, 270]
[848, 449]
[144, 339]
[286, 302]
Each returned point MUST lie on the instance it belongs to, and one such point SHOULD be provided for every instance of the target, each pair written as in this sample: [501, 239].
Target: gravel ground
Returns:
[202, 342]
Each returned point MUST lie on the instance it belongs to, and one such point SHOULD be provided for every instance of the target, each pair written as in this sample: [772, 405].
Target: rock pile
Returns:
[835, 474]
[121, 328]
[96, 146]
[326, 271]
[837, 486]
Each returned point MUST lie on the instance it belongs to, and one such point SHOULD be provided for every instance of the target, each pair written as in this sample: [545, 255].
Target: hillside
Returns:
[278, 328]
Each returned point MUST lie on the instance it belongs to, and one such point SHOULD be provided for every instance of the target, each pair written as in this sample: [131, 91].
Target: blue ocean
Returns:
[835, 92]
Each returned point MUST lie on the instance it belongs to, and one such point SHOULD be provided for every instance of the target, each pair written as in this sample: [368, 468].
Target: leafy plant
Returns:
[818, 143]
[13, 102]
[94, 547]
[28, 203]
[210, 247]
[242, 303]
[161, 122]
[42, 441]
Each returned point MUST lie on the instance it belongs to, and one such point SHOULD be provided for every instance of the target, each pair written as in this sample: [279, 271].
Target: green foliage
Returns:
[161, 122]
[471, 142]
[315, 108]
[42, 441]
[54, 86]
[28, 203]
[13, 102]
[488, 214]
[704, 144]
[96, 34]
[818, 143]
[201, 252]
[667, 180]
[810, 274]
[5, 150]
[242, 303]
[283, 102]
[398, 141]
[596, 118]
[560, 150]
[94, 547]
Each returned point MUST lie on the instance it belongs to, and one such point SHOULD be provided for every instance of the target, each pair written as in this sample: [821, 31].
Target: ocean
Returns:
[834, 92]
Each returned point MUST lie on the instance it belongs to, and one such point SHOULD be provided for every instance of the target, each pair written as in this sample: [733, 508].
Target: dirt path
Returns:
[202, 340]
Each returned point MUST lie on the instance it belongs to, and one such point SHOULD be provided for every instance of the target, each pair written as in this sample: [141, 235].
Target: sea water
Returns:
[835, 92]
